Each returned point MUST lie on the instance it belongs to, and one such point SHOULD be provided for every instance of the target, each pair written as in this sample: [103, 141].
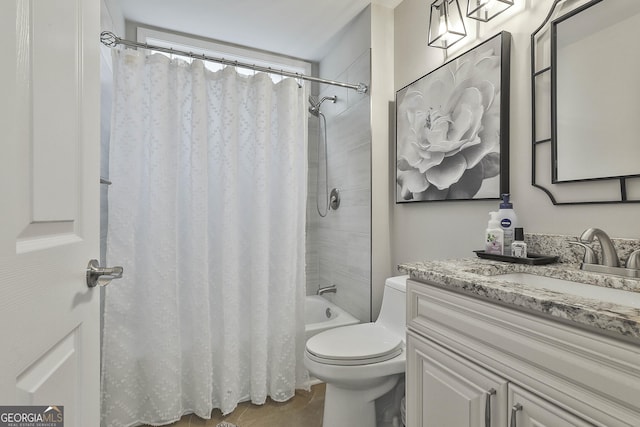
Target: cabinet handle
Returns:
[514, 411]
[487, 406]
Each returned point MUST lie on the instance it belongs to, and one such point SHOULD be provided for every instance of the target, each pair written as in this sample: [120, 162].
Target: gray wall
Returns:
[439, 230]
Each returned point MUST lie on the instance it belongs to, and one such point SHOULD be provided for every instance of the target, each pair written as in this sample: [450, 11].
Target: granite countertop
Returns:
[474, 276]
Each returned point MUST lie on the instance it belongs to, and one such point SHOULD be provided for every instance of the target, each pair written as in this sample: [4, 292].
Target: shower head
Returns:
[315, 104]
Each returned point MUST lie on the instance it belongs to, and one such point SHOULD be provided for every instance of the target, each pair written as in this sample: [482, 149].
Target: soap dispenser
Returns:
[494, 236]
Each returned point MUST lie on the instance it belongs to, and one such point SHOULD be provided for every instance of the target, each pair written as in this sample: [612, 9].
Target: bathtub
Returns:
[320, 315]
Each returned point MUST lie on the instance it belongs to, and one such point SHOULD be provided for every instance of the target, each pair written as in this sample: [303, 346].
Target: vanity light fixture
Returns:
[484, 10]
[446, 26]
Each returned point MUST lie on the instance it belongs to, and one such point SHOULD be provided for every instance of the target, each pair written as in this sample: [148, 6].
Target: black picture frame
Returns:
[452, 128]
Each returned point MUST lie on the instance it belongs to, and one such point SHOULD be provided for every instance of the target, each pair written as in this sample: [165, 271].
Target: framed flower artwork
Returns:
[452, 128]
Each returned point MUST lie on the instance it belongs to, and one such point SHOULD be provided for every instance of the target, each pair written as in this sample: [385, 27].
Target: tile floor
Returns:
[304, 410]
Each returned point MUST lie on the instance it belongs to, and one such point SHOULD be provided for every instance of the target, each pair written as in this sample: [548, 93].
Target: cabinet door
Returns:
[530, 410]
[445, 389]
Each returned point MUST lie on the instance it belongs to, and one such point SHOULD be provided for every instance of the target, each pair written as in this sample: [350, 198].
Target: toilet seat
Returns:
[361, 344]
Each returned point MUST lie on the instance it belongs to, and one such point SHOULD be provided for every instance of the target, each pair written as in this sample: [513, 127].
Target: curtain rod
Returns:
[110, 39]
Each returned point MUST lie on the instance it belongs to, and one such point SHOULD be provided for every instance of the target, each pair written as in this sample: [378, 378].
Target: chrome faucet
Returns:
[327, 289]
[609, 255]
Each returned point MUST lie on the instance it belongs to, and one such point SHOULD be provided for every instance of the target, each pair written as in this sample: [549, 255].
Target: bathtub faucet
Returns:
[327, 289]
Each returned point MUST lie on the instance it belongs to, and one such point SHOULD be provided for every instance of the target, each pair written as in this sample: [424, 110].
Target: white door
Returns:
[49, 205]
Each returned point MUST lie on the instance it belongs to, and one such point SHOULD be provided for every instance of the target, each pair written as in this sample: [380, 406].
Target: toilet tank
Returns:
[393, 314]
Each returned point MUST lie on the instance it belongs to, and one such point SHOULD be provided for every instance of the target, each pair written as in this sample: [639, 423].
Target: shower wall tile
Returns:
[338, 170]
[344, 236]
[359, 72]
[354, 39]
[312, 269]
[351, 197]
[345, 52]
[353, 127]
[331, 109]
[354, 218]
[312, 266]
[342, 240]
[355, 296]
[359, 255]
[359, 171]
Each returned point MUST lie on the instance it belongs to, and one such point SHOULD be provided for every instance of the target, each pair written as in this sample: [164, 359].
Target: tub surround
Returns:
[477, 277]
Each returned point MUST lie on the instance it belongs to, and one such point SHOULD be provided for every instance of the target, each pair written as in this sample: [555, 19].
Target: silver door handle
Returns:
[487, 406]
[514, 413]
[102, 276]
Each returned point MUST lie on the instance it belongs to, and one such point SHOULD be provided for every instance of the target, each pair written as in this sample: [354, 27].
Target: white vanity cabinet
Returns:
[466, 354]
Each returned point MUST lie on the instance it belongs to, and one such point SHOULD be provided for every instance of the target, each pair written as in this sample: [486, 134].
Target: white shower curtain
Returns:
[207, 217]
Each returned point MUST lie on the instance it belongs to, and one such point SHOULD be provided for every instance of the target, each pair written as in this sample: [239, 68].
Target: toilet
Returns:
[360, 363]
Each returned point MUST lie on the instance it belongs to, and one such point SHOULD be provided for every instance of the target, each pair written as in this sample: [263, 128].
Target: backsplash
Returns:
[557, 244]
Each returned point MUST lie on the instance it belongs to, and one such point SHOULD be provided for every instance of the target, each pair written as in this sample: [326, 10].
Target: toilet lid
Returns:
[354, 345]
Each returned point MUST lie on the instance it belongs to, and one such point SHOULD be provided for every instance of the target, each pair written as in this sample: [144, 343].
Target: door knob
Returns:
[102, 276]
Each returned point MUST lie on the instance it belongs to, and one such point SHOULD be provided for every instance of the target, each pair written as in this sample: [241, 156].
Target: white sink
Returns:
[615, 296]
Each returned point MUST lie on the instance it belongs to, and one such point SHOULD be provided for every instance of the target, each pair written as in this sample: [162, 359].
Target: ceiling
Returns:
[297, 28]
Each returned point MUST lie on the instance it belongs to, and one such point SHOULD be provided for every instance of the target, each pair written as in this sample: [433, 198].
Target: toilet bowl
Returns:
[360, 363]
